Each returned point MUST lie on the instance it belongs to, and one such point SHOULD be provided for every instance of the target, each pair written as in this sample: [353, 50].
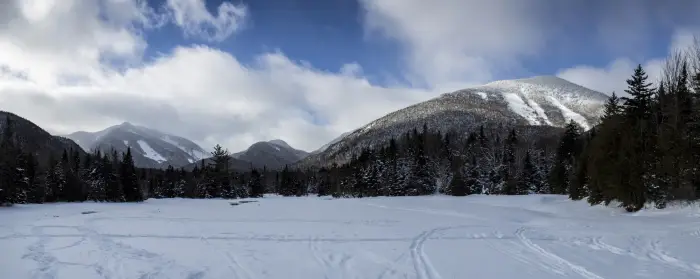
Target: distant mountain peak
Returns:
[545, 101]
[546, 79]
[151, 148]
[273, 154]
[126, 124]
[279, 142]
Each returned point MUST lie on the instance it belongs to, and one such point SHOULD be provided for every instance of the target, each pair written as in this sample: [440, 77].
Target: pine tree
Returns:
[638, 105]
[129, 179]
[114, 190]
[35, 190]
[257, 188]
[59, 181]
[638, 146]
[567, 151]
[220, 173]
[459, 186]
[421, 182]
[612, 107]
[508, 168]
[9, 152]
[97, 183]
[526, 180]
[22, 182]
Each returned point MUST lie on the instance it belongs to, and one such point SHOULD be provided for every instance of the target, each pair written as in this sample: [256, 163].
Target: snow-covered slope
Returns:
[494, 237]
[536, 101]
[150, 148]
[274, 154]
[325, 146]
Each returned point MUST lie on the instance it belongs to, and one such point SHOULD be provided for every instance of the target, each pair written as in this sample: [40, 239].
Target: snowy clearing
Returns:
[404, 237]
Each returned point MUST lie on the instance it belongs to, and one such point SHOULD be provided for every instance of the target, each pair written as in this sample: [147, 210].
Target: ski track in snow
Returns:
[384, 238]
[421, 261]
[553, 257]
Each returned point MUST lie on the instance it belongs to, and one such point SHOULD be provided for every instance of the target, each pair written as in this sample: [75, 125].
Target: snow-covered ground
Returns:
[410, 237]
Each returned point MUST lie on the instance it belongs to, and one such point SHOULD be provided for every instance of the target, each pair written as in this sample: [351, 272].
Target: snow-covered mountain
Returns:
[536, 101]
[325, 146]
[274, 154]
[150, 148]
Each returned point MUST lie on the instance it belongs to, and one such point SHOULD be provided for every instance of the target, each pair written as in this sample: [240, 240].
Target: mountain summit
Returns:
[273, 154]
[546, 101]
[150, 148]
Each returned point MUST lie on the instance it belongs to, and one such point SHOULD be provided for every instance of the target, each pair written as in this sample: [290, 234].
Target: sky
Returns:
[306, 71]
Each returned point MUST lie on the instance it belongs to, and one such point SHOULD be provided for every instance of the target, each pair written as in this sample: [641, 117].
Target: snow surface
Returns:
[150, 153]
[482, 95]
[538, 109]
[539, 236]
[571, 99]
[517, 105]
[194, 153]
[570, 115]
[126, 142]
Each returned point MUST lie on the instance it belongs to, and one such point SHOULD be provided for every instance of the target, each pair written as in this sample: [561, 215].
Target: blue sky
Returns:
[327, 34]
[306, 71]
[331, 33]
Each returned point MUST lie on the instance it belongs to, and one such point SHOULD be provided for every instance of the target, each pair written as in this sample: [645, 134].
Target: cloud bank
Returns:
[73, 65]
[78, 65]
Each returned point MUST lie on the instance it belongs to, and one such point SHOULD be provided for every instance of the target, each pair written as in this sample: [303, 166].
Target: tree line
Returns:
[111, 177]
[646, 148]
[419, 163]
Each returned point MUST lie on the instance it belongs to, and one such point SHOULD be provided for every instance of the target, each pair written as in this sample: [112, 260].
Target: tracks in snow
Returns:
[237, 269]
[657, 253]
[421, 261]
[331, 262]
[520, 233]
[653, 251]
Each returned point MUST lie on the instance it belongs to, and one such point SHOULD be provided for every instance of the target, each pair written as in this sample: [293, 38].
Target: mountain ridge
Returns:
[535, 101]
[273, 154]
[150, 148]
[35, 139]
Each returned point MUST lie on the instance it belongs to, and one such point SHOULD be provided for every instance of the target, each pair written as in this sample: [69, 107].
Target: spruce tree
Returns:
[459, 186]
[526, 180]
[9, 153]
[638, 105]
[257, 188]
[638, 147]
[129, 179]
[566, 153]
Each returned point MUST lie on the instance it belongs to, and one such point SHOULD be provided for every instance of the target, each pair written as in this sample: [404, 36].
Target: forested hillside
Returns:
[645, 149]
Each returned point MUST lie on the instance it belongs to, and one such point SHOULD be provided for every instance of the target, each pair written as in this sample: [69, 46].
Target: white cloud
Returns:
[196, 21]
[197, 92]
[59, 61]
[612, 77]
[458, 41]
